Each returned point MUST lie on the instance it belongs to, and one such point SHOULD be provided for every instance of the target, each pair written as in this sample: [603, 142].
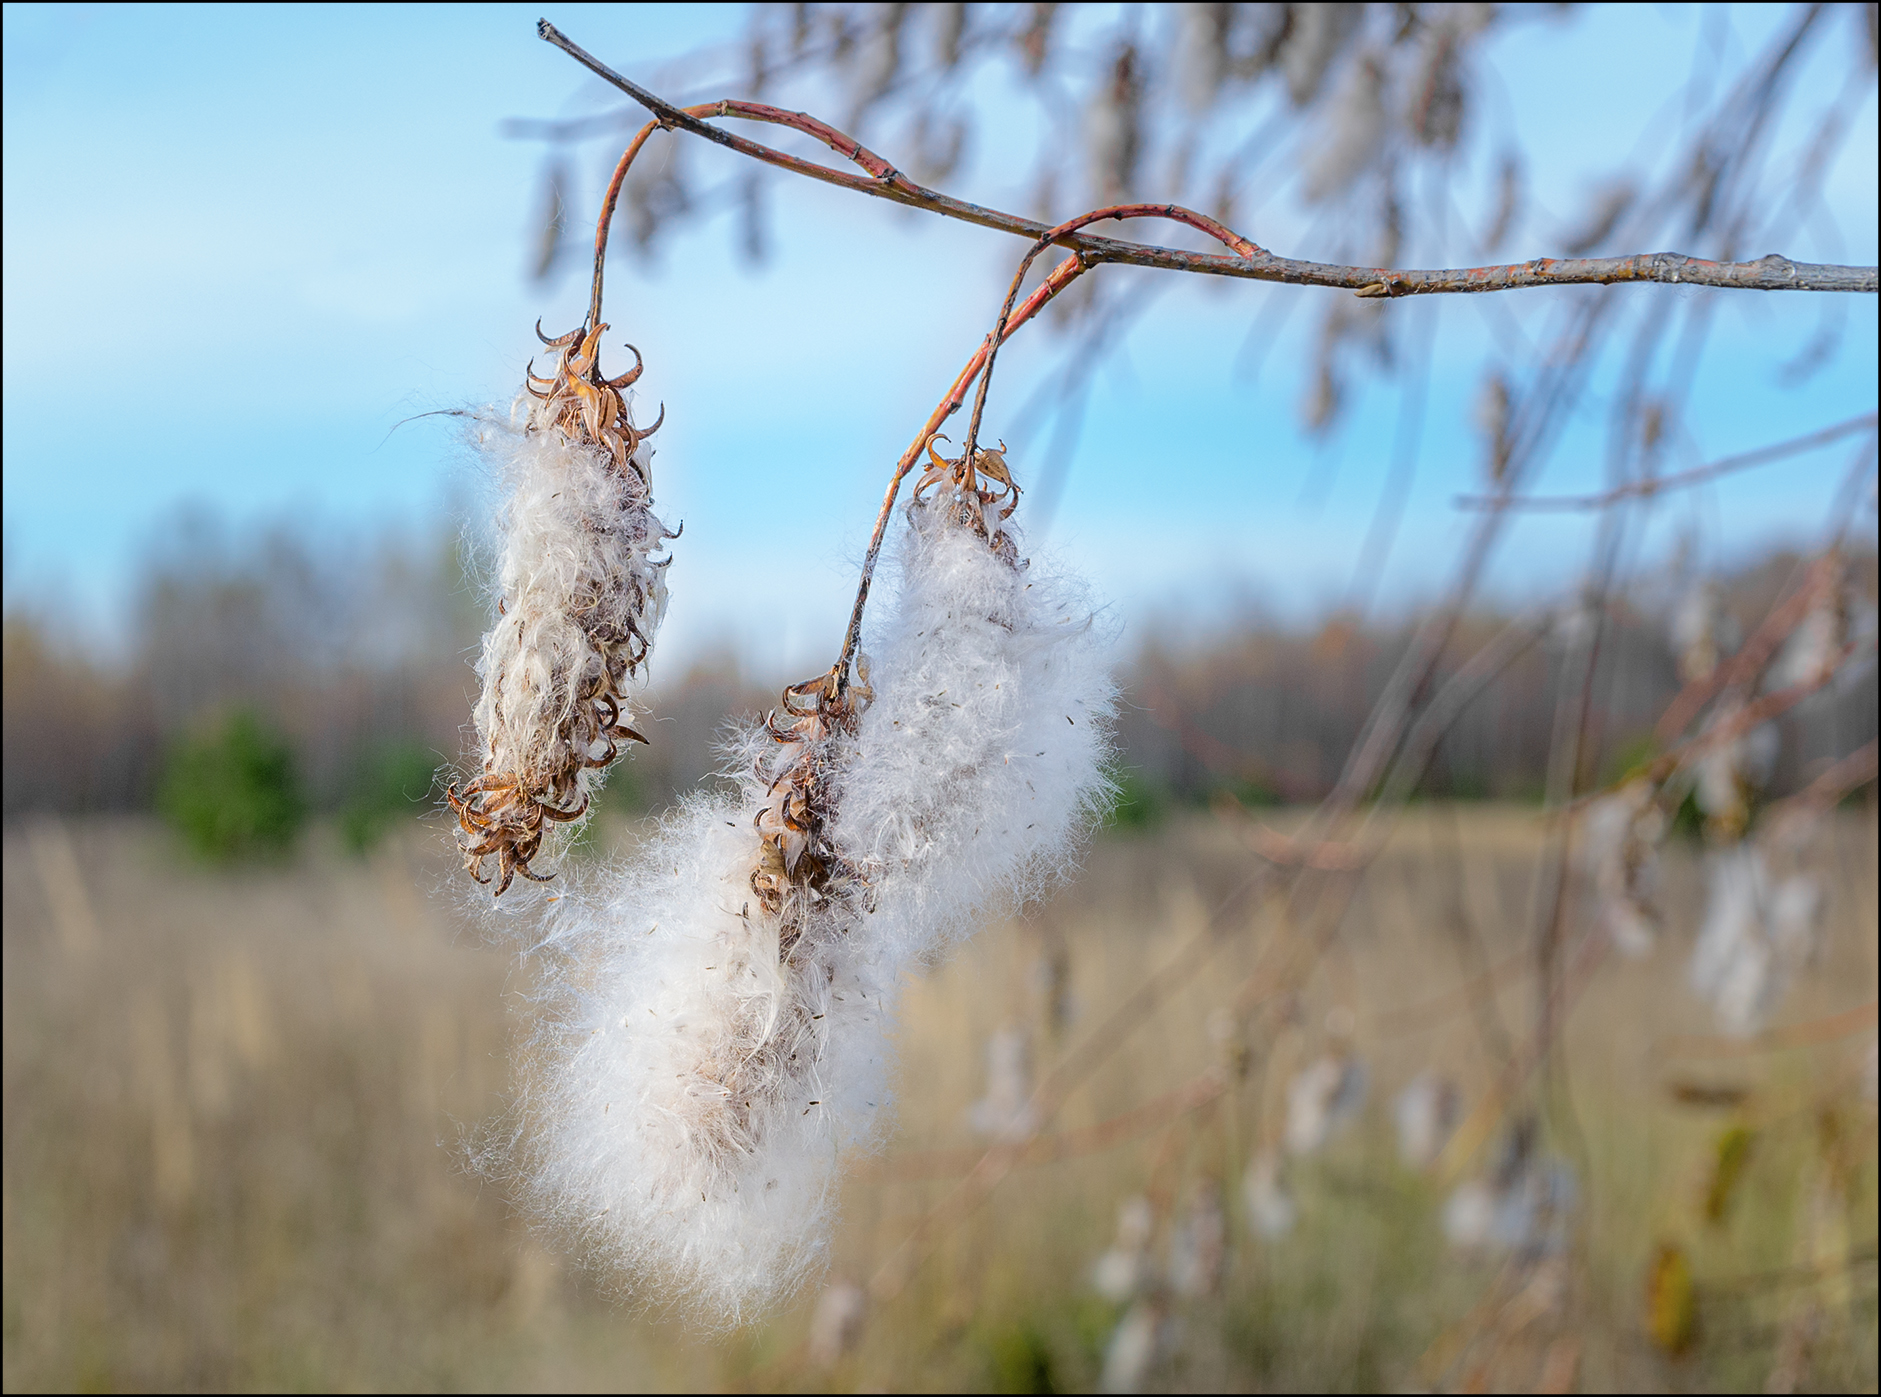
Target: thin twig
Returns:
[1062, 276]
[1748, 663]
[1696, 476]
[602, 224]
[1771, 273]
[1851, 773]
[1222, 234]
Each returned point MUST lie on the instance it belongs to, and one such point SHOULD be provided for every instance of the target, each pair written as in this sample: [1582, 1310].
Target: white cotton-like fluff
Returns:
[1731, 962]
[1125, 1269]
[980, 762]
[1321, 1098]
[693, 1089]
[1426, 1112]
[580, 595]
[1756, 934]
[1198, 1247]
[1271, 1211]
[1619, 850]
[1135, 1344]
[1702, 633]
[1809, 655]
[1530, 1212]
[705, 1062]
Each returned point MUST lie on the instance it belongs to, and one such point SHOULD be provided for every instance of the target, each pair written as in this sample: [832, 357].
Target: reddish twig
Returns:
[1743, 668]
[1751, 715]
[1062, 276]
[1851, 773]
[1697, 476]
[1119, 212]
[1771, 273]
[606, 219]
[981, 364]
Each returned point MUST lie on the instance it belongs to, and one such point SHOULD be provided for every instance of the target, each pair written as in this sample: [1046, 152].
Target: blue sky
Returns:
[240, 245]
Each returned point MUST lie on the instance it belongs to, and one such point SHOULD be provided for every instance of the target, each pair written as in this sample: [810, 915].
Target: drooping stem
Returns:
[1120, 212]
[1062, 276]
[603, 224]
[981, 365]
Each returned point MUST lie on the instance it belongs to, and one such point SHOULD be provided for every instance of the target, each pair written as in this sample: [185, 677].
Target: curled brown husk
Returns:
[978, 488]
[554, 710]
[797, 869]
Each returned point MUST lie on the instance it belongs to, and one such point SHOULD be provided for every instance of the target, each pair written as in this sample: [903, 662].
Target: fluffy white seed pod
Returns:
[877, 59]
[1425, 1112]
[1198, 1247]
[1201, 52]
[579, 597]
[980, 762]
[1729, 773]
[950, 28]
[1113, 130]
[1526, 1210]
[1809, 656]
[1619, 851]
[717, 1025]
[1317, 35]
[1271, 1211]
[694, 1085]
[1138, 1341]
[1125, 1269]
[578, 573]
[1323, 1097]
[1701, 632]
[1757, 933]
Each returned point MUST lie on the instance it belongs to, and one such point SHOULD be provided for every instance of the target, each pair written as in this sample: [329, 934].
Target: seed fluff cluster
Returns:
[717, 1010]
[580, 595]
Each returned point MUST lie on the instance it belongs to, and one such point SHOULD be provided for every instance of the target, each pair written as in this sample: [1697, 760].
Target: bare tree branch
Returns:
[1771, 273]
[1696, 476]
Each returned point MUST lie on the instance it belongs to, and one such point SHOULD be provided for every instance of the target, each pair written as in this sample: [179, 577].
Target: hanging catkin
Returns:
[717, 1013]
[579, 597]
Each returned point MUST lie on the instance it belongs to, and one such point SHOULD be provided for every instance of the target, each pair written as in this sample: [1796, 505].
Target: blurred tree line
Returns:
[336, 674]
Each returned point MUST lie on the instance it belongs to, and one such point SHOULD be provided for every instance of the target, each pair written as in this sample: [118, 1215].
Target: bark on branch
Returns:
[884, 181]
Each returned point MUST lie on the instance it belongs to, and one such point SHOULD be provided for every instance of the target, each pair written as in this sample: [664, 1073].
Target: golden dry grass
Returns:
[236, 1107]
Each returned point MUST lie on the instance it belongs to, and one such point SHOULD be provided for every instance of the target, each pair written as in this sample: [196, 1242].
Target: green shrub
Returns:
[395, 781]
[1021, 1361]
[232, 790]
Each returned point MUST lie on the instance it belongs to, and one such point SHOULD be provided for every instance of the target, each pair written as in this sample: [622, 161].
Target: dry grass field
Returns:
[238, 1108]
